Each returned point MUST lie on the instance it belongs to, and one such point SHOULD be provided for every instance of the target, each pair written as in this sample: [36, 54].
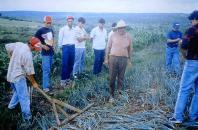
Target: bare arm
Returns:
[81, 39]
[108, 49]
[32, 80]
[173, 40]
[130, 48]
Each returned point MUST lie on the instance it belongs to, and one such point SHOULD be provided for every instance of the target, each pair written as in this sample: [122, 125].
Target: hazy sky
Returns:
[136, 6]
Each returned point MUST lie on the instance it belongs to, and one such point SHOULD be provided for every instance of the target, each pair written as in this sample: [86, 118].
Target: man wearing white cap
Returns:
[172, 50]
[46, 36]
[118, 53]
[67, 40]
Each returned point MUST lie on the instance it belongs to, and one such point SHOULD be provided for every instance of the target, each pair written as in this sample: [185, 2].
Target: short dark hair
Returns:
[193, 15]
[81, 20]
[101, 20]
[113, 25]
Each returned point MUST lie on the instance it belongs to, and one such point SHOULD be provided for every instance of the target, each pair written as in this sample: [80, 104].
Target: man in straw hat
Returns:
[118, 53]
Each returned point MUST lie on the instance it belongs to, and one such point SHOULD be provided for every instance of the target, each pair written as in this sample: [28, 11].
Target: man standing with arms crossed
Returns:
[189, 80]
[172, 50]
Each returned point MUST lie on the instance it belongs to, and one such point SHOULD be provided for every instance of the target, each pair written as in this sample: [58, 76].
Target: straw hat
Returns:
[121, 24]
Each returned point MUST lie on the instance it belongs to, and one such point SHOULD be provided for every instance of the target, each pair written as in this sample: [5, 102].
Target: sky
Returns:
[121, 6]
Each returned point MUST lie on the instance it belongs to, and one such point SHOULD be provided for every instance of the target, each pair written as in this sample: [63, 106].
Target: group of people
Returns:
[189, 79]
[115, 53]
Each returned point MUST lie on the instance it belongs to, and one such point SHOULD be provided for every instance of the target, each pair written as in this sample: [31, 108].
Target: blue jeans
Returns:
[189, 81]
[98, 60]
[79, 60]
[172, 60]
[46, 67]
[21, 95]
[68, 56]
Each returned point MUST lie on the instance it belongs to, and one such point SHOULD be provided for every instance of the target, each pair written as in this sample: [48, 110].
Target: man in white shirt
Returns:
[20, 67]
[81, 37]
[99, 36]
[66, 41]
[109, 35]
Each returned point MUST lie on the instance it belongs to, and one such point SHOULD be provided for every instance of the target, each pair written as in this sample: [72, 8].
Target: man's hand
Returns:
[106, 62]
[32, 80]
[45, 47]
[35, 85]
[129, 64]
[180, 42]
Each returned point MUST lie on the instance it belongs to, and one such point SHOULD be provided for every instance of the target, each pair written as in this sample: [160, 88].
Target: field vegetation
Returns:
[149, 95]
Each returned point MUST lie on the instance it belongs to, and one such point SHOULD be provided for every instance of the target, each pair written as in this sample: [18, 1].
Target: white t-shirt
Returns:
[66, 36]
[80, 32]
[48, 38]
[21, 61]
[99, 38]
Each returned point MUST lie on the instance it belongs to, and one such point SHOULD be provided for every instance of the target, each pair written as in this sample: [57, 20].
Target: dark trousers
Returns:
[68, 56]
[98, 60]
[117, 67]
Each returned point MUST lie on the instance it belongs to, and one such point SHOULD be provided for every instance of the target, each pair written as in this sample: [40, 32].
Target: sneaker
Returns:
[63, 83]
[68, 82]
[111, 100]
[26, 124]
[194, 120]
[75, 76]
[174, 121]
[46, 90]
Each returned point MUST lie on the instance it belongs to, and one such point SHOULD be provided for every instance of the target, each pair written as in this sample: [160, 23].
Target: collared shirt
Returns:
[44, 34]
[66, 36]
[21, 61]
[99, 38]
[120, 45]
[190, 43]
[173, 35]
[80, 32]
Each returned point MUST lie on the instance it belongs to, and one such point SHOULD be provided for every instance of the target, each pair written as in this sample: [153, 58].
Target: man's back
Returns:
[21, 62]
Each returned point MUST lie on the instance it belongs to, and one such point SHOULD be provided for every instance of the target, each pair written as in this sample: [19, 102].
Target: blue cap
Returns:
[176, 25]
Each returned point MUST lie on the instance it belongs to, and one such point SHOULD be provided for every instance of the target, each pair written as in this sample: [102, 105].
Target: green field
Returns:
[149, 95]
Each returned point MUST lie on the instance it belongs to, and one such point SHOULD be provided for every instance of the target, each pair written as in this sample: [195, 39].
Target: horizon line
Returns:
[93, 12]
